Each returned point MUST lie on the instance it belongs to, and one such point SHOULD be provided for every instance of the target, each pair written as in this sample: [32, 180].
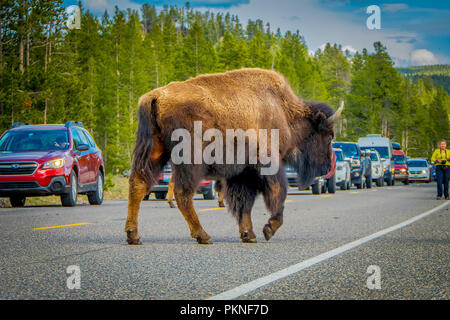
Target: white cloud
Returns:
[99, 6]
[394, 7]
[423, 57]
[350, 49]
[96, 5]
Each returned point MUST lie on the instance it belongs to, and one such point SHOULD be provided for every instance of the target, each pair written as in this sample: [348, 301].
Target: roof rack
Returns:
[374, 136]
[74, 124]
[19, 124]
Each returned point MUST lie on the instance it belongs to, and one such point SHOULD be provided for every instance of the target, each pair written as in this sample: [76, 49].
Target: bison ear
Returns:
[320, 112]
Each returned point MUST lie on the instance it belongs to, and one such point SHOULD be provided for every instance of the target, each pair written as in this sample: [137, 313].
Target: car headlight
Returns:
[53, 164]
[424, 171]
[356, 162]
[403, 170]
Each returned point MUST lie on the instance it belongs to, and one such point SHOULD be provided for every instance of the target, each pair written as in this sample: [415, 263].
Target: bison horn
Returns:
[336, 115]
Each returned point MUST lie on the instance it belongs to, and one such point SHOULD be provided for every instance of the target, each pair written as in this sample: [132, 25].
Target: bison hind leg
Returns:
[240, 194]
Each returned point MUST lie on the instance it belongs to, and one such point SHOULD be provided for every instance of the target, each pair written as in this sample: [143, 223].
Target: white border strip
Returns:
[258, 283]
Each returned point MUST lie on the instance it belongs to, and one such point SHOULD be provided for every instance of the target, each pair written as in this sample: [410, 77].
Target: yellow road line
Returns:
[212, 209]
[326, 195]
[63, 226]
[355, 192]
[288, 201]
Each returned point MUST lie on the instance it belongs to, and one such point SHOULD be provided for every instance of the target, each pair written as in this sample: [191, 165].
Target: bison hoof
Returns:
[171, 205]
[248, 237]
[268, 232]
[221, 204]
[133, 238]
[201, 240]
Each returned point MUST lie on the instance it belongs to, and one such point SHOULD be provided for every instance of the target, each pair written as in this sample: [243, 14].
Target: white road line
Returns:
[258, 283]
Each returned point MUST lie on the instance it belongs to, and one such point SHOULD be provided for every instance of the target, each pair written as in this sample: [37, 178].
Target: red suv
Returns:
[42, 160]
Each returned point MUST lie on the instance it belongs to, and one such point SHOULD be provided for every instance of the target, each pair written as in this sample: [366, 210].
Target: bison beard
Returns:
[242, 99]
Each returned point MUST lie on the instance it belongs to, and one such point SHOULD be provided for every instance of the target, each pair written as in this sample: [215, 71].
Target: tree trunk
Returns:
[27, 56]
[21, 50]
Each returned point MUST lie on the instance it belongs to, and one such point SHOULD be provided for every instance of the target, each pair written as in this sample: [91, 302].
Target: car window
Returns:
[339, 156]
[89, 138]
[399, 159]
[383, 151]
[34, 140]
[78, 137]
[417, 163]
[349, 149]
[83, 138]
[373, 156]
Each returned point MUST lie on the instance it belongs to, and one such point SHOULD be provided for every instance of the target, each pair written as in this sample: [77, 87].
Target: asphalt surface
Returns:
[413, 260]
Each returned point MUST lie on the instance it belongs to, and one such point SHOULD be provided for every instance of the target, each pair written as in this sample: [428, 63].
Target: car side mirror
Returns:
[83, 147]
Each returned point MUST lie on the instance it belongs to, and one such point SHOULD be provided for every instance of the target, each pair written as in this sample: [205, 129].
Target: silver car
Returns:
[419, 170]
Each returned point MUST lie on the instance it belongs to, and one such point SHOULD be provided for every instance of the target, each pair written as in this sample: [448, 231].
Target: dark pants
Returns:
[442, 179]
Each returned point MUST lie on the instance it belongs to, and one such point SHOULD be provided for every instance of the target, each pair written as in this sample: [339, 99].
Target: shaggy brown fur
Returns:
[241, 99]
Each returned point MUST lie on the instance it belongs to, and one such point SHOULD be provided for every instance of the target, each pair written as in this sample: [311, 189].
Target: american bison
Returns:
[242, 99]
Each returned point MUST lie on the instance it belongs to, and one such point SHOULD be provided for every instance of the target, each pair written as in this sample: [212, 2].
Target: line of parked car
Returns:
[374, 159]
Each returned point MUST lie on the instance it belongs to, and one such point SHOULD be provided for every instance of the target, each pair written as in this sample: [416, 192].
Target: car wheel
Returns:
[380, 182]
[369, 182]
[332, 184]
[360, 183]
[324, 188]
[316, 187]
[209, 195]
[17, 201]
[96, 197]
[70, 199]
[160, 195]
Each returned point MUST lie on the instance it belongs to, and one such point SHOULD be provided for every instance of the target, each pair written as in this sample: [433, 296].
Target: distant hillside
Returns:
[438, 74]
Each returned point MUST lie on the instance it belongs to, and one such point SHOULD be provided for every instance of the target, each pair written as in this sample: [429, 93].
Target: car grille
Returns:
[17, 168]
[416, 172]
[19, 185]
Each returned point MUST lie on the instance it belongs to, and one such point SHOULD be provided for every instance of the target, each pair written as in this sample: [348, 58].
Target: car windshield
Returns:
[339, 156]
[417, 163]
[34, 140]
[399, 160]
[349, 149]
[383, 151]
[373, 156]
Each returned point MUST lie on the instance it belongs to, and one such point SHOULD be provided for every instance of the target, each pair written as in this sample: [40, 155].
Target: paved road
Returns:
[413, 261]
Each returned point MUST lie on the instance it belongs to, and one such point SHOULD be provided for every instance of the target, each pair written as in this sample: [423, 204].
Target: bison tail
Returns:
[143, 163]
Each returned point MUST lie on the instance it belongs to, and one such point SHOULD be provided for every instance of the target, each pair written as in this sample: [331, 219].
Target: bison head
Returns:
[314, 154]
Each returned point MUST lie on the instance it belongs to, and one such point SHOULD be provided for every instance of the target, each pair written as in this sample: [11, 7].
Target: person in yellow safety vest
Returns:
[441, 158]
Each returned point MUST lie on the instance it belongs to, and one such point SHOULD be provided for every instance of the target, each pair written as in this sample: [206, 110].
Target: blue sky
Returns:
[415, 32]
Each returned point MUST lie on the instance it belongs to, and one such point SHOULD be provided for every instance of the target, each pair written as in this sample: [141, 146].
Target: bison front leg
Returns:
[186, 206]
[137, 190]
[275, 193]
